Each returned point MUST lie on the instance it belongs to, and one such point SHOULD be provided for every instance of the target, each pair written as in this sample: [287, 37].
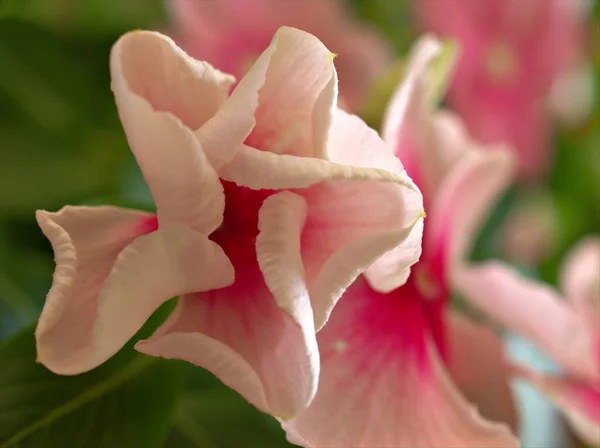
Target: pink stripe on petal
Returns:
[382, 385]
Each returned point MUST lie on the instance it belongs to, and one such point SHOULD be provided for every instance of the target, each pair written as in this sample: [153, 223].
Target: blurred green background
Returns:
[61, 143]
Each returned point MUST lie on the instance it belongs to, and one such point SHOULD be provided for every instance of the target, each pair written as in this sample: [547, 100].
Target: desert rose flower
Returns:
[567, 329]
[512, 53]
[270, 202]
[397, 365]
[230, 34]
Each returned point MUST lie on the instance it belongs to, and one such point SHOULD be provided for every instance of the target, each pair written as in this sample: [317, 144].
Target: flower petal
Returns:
[376, 391]
[243, 335]
[162, 94]
[534, 311]
[485, 382]
[281, 220]
[581, 282]
[108, 282]
[297, 99]
[354, 152]
[466, 197]
[86, 243]
[365, 176]
[353, 143]
[580, 403]
[407, 108]
[150, 66]
[282, 105]
[349, 226]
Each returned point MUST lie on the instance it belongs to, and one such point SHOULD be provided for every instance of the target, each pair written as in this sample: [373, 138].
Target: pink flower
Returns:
[269, 203]
[393, 359]
[567, 330]
[512, 53]
[230, 34]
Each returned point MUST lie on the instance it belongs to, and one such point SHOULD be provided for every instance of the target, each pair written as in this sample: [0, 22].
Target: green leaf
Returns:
[205, 419]
[87, 16]
[61, 139]
[126, 402]
[380, 93]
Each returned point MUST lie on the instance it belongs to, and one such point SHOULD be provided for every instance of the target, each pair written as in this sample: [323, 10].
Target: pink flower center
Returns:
[398, 327]
[240, 220]
[501, 62]
[429, 289]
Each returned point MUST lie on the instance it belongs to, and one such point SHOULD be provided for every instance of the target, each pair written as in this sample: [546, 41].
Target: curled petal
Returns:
[360, 205]
[162, 94]
[86, 242]
[278, 251]
[579, 402]
[297, 99]
[377, 206]
[262, 346]
[150, 66]
[393, 269]
[282, 105]
[581, 282]
[383, 385]
[534, 311]
[109, 280]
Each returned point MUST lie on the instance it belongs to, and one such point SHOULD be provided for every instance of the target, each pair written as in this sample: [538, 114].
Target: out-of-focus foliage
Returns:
[107, 407]
[61, 143]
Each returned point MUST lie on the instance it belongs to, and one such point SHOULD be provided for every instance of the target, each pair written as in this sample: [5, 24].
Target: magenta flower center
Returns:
[240, 220]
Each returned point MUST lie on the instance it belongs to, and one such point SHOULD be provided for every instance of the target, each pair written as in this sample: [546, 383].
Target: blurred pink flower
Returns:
[394, 360]
[512, 51]
[270, 202]
[230, 34]
[567, 330]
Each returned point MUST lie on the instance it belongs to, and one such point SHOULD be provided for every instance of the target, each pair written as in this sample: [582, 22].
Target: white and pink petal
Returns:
[162, 95]
[257, 337]
[113, 270]
[283, 104]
